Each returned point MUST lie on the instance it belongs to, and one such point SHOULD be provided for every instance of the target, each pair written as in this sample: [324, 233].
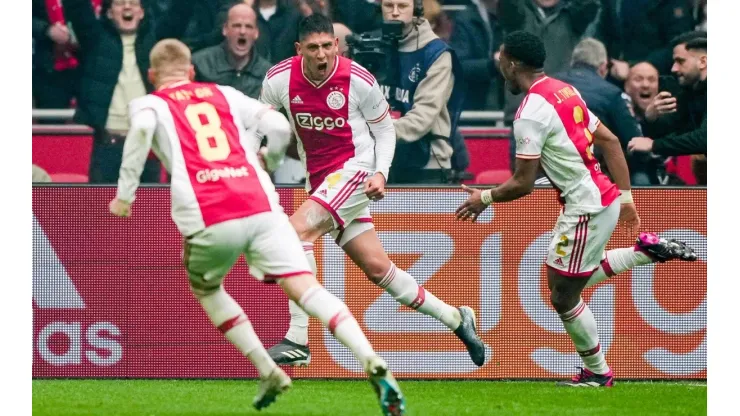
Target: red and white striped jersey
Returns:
[330, 119]
[554, 124]
[201, 136]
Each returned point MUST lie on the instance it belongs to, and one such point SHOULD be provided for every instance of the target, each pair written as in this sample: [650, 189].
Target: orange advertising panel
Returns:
[652, 320]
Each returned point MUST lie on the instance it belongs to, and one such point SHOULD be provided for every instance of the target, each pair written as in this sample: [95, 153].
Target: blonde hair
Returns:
[170, 55]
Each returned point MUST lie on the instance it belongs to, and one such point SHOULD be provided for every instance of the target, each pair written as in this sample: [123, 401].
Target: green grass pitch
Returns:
[355, 398]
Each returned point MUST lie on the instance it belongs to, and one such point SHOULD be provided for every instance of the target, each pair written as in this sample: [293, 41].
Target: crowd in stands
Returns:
[633, 61]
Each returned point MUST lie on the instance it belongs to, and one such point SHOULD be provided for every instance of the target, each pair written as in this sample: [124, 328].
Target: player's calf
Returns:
[403, 287]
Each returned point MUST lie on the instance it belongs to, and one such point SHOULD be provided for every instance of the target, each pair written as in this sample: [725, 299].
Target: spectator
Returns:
[235, 62]
[206, 27]
[587, 74]
[278, 22]
[641, 86]
[641, 30]
[677, 117]
[559, 23]
[359, 16]
[56, 77]
[114, 72]
[341, 31]
[428, 99]
[476, 38]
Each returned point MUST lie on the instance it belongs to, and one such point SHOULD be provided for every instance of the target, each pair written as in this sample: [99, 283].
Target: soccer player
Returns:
[224, 205]
[346, 142]
[555, 128]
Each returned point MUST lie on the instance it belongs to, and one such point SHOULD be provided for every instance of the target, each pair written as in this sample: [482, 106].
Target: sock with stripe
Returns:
[333, 313]
[618, 261]
[230, 319]
[580, 324]
[403, 287]
[298, 331]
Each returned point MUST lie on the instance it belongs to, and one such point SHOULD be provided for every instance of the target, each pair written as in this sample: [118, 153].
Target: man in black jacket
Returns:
[677, 117]
[476, 39]
[114, 72]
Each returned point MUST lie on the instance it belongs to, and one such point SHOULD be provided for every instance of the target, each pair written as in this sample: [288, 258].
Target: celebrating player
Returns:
[554, 126]
[334, 105]
[224, 205]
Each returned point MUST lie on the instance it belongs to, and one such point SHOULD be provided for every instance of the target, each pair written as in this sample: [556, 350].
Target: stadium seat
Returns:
[68, 178]
[493, 177]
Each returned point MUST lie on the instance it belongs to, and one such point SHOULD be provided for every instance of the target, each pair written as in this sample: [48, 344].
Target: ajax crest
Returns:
[335, 100]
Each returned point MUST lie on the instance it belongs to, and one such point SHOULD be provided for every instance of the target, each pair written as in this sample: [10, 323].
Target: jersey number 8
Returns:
[215, 150]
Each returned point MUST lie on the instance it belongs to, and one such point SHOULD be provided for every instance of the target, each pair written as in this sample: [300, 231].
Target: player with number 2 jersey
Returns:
[554, 129]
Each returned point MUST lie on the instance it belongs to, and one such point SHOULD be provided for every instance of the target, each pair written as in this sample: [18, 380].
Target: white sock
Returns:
[298, 331]
[580, 324]
[618, 261]
[333, 313]
[229, 318]
[403, 287]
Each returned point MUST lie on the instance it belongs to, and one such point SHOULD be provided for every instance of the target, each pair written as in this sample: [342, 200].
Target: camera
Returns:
[378, 52]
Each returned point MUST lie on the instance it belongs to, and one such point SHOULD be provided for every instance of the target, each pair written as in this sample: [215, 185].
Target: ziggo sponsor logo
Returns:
[311, 122]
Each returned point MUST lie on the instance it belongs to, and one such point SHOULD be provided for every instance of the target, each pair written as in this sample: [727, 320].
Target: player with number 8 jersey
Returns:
[225, 205]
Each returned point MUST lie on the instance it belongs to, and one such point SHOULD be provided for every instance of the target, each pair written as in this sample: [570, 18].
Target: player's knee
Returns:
[376, 269]
[200, 290]
[310, 226]
[200, 286]
[562, 301]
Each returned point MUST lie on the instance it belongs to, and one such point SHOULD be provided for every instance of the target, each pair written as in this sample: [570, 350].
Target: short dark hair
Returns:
[315, 23]
[525, 47]
[694, 37]
[697, 44]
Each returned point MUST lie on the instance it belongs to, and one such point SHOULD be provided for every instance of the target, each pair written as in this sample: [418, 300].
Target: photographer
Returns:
[677, 116]
[428, 97]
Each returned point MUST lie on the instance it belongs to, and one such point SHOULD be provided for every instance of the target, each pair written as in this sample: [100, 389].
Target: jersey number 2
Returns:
[218, 148]
[578, 118]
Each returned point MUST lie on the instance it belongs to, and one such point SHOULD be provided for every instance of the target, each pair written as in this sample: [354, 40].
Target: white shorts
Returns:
[342, 194]
[578, 241]
[267, 240]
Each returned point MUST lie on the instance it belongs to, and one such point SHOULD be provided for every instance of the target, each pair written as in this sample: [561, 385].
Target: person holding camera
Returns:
[677, 116]
[427, 99]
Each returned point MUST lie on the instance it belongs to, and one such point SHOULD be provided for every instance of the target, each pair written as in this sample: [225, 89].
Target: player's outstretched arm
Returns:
[277, 129]
[615, 161]
[135, 152]
[519, 185]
